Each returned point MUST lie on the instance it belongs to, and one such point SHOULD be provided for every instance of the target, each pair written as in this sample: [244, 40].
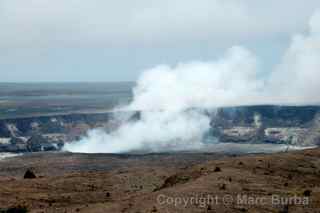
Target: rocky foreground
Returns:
[176, 182]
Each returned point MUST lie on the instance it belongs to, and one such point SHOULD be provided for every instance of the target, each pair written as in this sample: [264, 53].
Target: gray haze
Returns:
[42, 40]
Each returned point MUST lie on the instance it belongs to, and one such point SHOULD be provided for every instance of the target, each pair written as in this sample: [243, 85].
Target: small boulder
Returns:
[217, 169]
[108, 194]
[307, 193]
[29, 175]
[222, 187]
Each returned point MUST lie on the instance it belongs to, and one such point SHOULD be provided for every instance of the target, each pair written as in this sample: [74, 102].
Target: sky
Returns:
[104, 40]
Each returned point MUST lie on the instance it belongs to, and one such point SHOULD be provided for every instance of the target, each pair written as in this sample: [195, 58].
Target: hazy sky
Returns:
[104, 40]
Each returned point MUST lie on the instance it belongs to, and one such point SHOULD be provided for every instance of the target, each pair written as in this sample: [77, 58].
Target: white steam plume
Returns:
[168, 96]
[156, 131]
[199, 84]
[296, 79]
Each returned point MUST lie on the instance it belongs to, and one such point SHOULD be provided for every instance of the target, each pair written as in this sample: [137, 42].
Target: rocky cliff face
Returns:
[298, 125]
[47, 132]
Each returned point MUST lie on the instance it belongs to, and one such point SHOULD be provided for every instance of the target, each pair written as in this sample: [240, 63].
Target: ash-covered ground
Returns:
[69, 182]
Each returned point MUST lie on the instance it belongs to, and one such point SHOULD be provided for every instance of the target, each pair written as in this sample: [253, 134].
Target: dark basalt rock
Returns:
[307, 193]
[217, 169]
[29, 175]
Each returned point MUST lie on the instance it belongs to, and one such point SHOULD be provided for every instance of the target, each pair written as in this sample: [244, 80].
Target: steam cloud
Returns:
[170, 98]
[296, 78]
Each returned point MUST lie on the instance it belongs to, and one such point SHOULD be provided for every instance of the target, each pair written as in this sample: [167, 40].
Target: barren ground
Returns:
[69, 182]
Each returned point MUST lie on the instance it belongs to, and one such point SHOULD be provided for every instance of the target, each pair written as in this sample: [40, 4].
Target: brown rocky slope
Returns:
[179, 182]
